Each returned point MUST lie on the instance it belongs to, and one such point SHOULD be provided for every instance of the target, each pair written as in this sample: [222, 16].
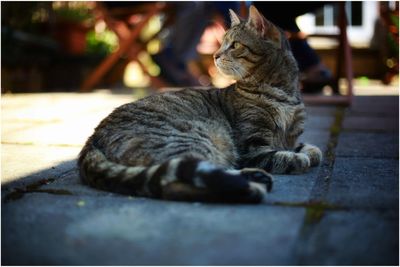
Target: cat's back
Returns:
[162, 124]
[183, 104]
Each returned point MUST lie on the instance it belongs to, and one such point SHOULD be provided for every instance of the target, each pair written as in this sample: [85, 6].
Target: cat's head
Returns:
[250, 47]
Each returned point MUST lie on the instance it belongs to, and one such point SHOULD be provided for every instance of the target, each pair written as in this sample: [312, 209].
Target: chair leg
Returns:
[345, 49]
[344, 60]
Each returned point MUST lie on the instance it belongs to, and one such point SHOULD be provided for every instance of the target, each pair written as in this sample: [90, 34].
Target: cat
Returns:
[214, 145]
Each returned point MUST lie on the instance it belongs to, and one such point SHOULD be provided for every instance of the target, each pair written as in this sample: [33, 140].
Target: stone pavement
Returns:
[344, 212]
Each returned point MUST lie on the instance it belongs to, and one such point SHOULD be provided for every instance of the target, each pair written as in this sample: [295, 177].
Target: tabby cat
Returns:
[214, 145]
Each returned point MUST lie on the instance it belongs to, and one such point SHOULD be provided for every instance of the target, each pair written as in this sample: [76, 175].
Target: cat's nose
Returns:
[217, 55]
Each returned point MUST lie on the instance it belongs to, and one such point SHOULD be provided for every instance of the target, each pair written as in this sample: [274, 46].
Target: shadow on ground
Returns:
[50, 218]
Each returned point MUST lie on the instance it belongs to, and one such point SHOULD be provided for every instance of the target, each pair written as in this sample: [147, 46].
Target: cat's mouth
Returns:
[217, 62]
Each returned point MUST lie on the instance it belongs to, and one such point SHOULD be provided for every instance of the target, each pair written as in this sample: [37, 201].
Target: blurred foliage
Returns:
[25, 16]
[393, 35]
[40, 20]
[101, 43]
[77, 12]
[395, 20]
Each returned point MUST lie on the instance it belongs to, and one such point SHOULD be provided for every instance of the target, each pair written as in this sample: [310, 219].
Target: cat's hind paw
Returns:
[258, 176]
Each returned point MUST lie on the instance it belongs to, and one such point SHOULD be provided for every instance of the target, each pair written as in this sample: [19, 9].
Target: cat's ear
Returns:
[262, 26]
[235, 20]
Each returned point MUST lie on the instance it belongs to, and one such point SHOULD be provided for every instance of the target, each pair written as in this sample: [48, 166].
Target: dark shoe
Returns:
[315, 78]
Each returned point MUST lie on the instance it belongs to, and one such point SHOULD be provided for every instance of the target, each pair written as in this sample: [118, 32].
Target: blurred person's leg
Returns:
[190, 22]
[192, 18]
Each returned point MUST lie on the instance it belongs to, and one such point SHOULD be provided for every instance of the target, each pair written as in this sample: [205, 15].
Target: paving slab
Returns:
[365, 182]
[376, 105]
[55, 119]
[316, 137]
[121, 230]
[45, 107]
[320, 110]
[70, 182]
[367, 144]
[287, 189]
[34, 162]
[292, 189]
[371, 124]
[353, 238]
[318, 122]
[63, 222]
[73, 132]
[319, 118]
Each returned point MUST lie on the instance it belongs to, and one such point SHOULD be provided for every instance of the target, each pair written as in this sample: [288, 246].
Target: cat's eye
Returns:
[236, 45]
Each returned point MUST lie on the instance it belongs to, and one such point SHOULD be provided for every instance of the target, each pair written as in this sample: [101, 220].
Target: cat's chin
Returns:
[227, 74]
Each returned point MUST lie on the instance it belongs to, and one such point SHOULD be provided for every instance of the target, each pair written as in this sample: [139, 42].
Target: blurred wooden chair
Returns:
[389, 50]
[126, 22]
[344, 65]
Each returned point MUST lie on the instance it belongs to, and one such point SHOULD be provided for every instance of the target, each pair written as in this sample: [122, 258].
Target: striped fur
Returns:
[209, 145]
[181, 178]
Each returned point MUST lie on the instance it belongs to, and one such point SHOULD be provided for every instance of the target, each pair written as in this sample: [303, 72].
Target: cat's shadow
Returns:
[64, 180]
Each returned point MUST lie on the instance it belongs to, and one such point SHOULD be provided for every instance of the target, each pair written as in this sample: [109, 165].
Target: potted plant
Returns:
[73, 20]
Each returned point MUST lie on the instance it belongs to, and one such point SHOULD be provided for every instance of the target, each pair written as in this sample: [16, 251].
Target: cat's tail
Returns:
[182, 179]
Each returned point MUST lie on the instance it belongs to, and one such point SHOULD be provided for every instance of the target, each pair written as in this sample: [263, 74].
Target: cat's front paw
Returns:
[289, 162]
[313, 153]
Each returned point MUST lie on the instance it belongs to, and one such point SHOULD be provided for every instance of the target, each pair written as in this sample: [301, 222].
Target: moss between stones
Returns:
[315, 210]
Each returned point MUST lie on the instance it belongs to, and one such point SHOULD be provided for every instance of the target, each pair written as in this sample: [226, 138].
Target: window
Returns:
[361, 17]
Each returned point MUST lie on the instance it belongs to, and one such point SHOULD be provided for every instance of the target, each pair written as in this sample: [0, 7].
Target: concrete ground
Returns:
[344, 212]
